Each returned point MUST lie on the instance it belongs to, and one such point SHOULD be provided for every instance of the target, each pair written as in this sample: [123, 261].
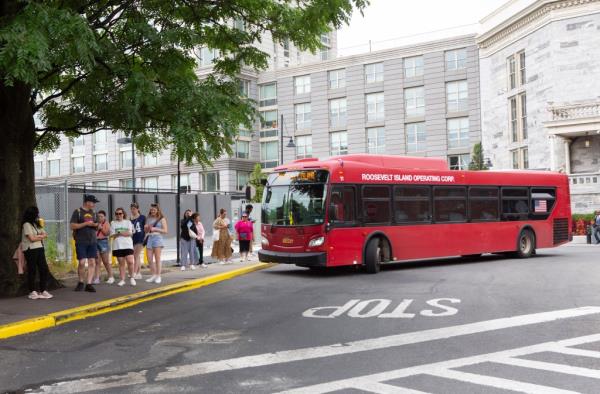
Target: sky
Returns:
[389, 23]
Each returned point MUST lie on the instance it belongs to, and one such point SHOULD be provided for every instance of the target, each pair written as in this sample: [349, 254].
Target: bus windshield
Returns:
[295, 198]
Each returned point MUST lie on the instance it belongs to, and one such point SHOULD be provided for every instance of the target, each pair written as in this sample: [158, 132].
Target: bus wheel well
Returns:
[384, 244]
[526, 242]
[528, 227]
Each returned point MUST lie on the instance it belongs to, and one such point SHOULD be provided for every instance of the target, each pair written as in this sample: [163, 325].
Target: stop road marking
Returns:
[376, 307]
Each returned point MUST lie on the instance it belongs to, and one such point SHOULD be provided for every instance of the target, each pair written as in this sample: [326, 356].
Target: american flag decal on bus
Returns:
[540, 206]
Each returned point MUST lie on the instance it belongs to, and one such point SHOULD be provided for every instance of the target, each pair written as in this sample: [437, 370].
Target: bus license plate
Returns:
[288, 241]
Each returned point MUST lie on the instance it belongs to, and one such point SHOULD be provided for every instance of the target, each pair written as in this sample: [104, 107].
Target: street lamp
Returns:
[125, 141]
[290, 143]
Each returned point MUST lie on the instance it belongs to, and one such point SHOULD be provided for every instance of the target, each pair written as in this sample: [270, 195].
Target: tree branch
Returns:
[59, 94]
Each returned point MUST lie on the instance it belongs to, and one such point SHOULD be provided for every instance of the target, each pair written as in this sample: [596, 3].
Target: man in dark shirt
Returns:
[84, 224]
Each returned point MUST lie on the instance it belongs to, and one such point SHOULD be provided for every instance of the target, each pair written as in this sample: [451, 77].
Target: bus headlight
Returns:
[264, 241]
[316, 242]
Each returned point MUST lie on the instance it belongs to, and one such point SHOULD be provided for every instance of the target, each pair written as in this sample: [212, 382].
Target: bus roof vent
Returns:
[390, 161]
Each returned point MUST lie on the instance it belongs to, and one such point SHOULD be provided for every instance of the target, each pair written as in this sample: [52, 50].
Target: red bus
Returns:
[369, 210]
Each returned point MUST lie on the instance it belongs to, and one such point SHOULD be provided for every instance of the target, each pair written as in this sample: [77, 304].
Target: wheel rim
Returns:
[525, 244]
[378, 259]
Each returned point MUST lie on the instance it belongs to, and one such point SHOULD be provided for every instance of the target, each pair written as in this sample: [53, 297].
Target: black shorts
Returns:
[244, 246]
[122, 252]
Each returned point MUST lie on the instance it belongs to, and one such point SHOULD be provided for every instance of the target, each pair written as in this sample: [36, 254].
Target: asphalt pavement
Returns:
[488, 325]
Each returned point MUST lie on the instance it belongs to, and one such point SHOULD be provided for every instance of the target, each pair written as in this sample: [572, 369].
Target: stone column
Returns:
[567, 142]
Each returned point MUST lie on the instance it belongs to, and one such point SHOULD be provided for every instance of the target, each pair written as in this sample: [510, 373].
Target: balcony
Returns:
[576, 111]
[574, 120]
[584, 183]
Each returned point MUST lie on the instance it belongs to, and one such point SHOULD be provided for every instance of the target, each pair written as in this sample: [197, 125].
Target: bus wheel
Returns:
[526, 245]
[373, 256]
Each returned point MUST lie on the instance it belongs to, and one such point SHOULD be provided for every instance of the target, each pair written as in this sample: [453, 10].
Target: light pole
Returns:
[178, 208]
[290, 143]
[124, 141]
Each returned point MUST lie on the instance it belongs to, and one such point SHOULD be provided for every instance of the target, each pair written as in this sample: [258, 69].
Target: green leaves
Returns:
[130, 65]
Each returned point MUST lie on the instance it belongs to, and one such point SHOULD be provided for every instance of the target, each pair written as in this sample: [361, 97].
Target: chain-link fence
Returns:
[52, 201]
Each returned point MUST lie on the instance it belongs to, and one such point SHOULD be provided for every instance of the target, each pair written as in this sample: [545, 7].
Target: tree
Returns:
[80, 66]
[256, 179]
[477, 161]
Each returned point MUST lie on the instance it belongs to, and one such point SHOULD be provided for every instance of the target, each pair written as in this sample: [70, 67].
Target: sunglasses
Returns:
[118, 213]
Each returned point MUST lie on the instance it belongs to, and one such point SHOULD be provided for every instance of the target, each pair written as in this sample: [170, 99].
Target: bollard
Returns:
[74, 261]
[145, 262]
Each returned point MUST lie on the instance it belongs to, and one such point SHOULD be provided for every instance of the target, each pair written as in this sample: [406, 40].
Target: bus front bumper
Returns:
[309, 259]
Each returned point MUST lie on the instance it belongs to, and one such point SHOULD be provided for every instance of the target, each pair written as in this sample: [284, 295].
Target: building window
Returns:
[239, 24]
[101, 162]
[518, 117]
[337, 112]
[185, 181]
[150, 160]
[37, 169]
[413, 67]
[210, 182]
[302, 84]
[267, 95]
[374, 72]
[520, 158]
[244, 87]
[54, 167]
[303, 146]
[414, 101]
[459, 162]
[150, 184]
[208, 56]
[302, 112]
[268, 124]
[100, 185]
[126, 183]
[516, 70]
[457, 96]
[125, 159]
[339, 143]
[375, 107]
[242, 149]
[415, 137]
[456, 60]
[286, 48]
[242, 179]
[78, 165]
[376, 140]
[458, 133]
[325, 40]
[78, 146]
[337, 79]
[99, 140]
[269, 154]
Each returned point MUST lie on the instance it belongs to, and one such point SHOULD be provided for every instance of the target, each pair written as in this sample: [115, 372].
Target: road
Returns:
[490, 325]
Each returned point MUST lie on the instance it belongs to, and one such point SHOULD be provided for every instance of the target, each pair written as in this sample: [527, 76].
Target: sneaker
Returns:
[79, 286]
[96, 281]
[121, 283]
[204, 265]
[183, 268]
[193, 267]
[158, 280]
[151, 279]
[221, 263]
[110, 281]
[46, 295]
[90, 288]
[132, 281]
[137, 276]
[33, 295]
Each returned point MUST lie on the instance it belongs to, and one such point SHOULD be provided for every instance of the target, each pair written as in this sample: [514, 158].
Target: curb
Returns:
[114, 304]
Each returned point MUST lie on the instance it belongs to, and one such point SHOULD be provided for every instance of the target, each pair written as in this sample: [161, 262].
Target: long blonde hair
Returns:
[159, 213]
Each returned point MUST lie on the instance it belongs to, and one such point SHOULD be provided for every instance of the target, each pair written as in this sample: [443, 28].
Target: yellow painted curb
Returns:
[114, 304]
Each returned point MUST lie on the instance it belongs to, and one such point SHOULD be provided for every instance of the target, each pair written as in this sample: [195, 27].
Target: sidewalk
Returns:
[111, 297]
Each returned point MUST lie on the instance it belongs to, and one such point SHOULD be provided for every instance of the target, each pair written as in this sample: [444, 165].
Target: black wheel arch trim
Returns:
[375, 234]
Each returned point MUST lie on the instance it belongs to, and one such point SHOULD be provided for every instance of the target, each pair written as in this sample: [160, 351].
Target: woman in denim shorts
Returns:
[156, 226]
[102, 235]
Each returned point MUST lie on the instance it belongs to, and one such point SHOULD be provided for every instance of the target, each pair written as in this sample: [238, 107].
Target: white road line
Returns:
[382, 388]
[93, 384]
[433, 368]
[197, 369]
[577, 352]
[553, 367]
[500, 383]
[370, 344]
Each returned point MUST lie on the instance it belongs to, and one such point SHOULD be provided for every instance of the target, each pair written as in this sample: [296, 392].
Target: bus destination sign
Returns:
[416, 178]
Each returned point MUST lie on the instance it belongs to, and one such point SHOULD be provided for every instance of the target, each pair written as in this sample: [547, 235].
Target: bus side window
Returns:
[342, 205]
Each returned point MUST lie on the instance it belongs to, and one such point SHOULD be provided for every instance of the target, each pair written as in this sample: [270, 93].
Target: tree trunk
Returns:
[17, 133]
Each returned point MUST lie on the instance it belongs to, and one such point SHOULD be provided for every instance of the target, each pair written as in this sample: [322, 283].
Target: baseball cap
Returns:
[90, 197]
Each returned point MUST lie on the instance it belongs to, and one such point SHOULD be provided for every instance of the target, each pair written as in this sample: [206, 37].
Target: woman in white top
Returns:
[121, 231]
[33, 248]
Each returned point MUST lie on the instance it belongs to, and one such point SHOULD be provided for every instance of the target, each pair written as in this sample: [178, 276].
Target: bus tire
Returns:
[525, 244]
[373, 254]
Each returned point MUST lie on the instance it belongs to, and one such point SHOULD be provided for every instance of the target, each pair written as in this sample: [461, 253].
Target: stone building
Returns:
[540, 62]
